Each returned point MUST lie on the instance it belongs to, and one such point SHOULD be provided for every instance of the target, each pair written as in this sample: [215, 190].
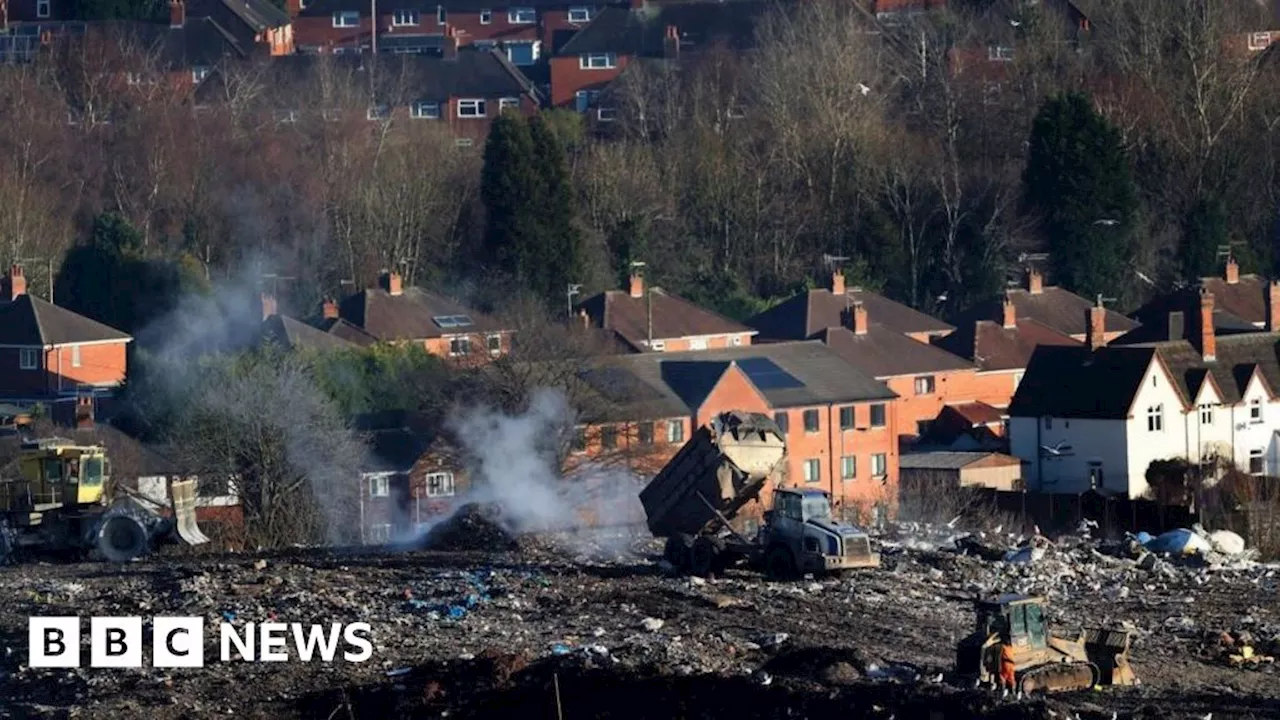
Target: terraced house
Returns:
[647, 318]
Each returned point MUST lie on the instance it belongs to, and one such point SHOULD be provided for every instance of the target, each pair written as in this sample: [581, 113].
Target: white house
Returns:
[1097, 418]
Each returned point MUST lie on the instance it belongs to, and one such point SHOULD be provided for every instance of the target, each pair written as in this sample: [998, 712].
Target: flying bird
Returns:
[863, 89]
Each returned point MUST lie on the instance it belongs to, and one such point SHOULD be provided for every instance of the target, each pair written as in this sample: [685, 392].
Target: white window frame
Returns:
[535, 45]
[448, 487]
[44, 9]
[608, 115]
[285, 116]
[378, 112]
[812, 470]
[508, 103]
[736, 341]
[486, 17]
[459, 345]
[341, 18]
[489, 342]
[849, 467]
[425, 110]
[1155, 418]
[477, 104]
[199, 73]
[406, 17]
[75, 356]
[522, 16]
[1255, 410]
[380, 486]
[579, 14]
[29, 358]
[442, 15]
[926, 385]
[1259, 41]
[675, 431]
[698, 343]
[598, 61]
[882, 460]
[999, 53]
[1261, 456]
[1206, 414]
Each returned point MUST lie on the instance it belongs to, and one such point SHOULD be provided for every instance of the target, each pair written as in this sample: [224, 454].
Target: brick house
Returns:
[393, 313]
[51, 353]
[839, 422]
[524, 30]
[804, 316]
[967, 426]
[407, 481]
[1054, 307]
[649, 318]
[1240, 302]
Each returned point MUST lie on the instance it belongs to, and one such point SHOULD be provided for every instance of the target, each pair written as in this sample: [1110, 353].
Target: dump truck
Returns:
[1042, 661]
[63, 501]
[694, 500]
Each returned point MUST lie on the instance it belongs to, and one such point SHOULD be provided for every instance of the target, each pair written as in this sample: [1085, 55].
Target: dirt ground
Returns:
[535, 632]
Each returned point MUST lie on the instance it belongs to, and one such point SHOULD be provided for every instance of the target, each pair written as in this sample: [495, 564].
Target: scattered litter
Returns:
[651, 624]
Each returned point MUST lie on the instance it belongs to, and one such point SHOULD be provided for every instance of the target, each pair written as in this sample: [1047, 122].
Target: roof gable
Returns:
[672, 317]
[805, 315]
[31, 321]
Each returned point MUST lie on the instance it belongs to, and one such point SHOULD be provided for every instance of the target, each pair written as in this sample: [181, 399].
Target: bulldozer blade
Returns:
[1109, 651]
[183, 496]
[1057, 677]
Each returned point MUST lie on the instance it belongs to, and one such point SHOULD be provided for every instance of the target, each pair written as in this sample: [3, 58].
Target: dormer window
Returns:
[579, 15]
[522, 16]
[346, 18]
[1000, 53]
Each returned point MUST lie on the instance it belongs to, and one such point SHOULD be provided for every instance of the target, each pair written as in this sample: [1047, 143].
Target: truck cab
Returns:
[801, 522]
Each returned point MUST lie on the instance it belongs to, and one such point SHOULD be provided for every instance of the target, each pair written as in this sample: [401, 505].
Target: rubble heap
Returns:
[474, 527]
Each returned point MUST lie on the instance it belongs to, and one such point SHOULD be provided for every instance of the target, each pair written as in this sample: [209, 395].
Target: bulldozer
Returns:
[1042, 661]
[64, 502]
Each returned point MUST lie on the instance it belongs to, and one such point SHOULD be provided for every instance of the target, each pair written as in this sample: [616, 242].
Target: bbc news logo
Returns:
[178, 642]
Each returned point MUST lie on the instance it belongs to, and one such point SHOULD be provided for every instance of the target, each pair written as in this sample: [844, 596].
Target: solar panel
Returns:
[766, 375]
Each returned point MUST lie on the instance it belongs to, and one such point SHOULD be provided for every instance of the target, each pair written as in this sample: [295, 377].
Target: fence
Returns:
[1055, 514]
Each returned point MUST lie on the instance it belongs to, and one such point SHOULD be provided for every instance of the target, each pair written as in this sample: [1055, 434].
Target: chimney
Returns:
[585, 319]
[1096, 326]
[637, 285]
[1273, 306]
[837, 283]
[449, 50]
[329, 309]
[1177, 325]
[293, 7]
[1009, 320]
[858, 318]
[84, 412]
[268, 305]
[1035, 281]
[15, 284]
[1232, 276]
[177, 13]
[671, 43]
[1208, 341]
[390, 281]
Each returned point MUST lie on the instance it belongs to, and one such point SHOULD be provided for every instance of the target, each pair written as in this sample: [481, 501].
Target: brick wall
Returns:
[712, 342]
[568, 77]
[103, 364]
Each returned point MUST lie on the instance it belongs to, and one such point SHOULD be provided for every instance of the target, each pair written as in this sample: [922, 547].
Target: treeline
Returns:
[1130, 156]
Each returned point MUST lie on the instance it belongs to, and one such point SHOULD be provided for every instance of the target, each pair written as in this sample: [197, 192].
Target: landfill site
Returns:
[689, 617]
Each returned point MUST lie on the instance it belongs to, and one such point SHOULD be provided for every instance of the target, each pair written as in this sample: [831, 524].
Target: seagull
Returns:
[1106, 221]
[863, 89]
[1014, 23]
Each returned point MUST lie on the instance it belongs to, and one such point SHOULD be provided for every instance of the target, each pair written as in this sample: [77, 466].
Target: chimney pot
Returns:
[390, 282]
[1232, 275]
[1273, 306]
[1035, 281]
[15, 285]
[585, 319]
[84, 412]
[837, 283]
[859, 318]
[1096, 328]
[177, 13]
[450, 48]
[637, 285]
[268, 305]
[329, 309]
[1208, 340]
[1009, 319]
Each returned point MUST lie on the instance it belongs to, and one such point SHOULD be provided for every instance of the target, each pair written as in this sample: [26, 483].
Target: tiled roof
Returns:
[673, 317]
[1071, 382]
[1236, 358]
[323, 8]
[35, 322]
[883, 353]
[977, 413]
[992, 346]
[1239, 306]
[1054, 307]
[802, 316]
[944, 460]
[345, 330]
[414, 314]
[641, 32]
[296, 334]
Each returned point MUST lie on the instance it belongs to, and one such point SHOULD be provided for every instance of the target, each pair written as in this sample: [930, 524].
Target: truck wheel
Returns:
[677, 550]
[703, 556]
[779, 564]
[121, 538]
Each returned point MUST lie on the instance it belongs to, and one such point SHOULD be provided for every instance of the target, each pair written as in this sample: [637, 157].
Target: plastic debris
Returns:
[1180, 542]
[1227, 542]
[651, 624]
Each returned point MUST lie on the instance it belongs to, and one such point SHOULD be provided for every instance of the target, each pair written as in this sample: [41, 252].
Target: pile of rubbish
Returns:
[474, 527]
[1241, 649]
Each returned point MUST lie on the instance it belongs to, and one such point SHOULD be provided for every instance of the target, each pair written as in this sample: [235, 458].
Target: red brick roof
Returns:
[977, 413]
[414, 314]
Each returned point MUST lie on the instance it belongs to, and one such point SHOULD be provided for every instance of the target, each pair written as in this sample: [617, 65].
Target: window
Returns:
[1155, 418]
[75, 356]
[440, 484]
[285, 116]
[460, 345]
[579, 14]
[811, 421]
[403, 18]
[925, 385]
[379, 486]
[999, 53]
[331, 115]
[378, 112]
[379, 533]
[523, 53]
[1257, 41]
[598, 61]
[783, 420]
[441, 16]
[848, 467]
[471, 109]
[611, 114]
[199, 73]
[877, 415]
[1255, 410]
[1097, 479]
[846, 418]
[522, 16]
[1256, 464]
[584, 99]
[346, 18]
[609, 437]
[29, 358]
[579, 442]
[879, 465]
[508, 104]
[495, 344]
[812, 470]
[486, 17]
[425, 110]
[675, 431]
[1206, 414]
[43, 8]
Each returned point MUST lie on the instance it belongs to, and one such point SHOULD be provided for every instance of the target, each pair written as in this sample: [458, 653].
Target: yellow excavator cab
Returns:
[56, 473]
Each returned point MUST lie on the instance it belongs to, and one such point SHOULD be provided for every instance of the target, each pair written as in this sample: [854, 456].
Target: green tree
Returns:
[1203, 233]
[1079, 183]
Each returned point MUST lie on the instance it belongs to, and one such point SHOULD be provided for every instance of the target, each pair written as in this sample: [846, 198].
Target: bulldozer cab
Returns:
[55, 473]
[1018, 619]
